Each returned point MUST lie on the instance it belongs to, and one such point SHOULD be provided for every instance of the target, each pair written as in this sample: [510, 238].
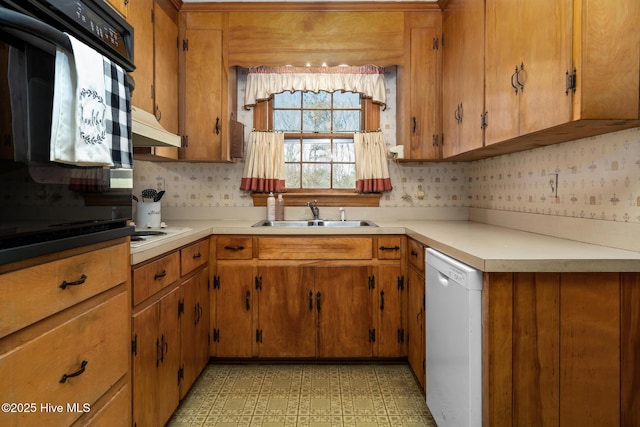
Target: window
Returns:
[318, 131]
[319, 154]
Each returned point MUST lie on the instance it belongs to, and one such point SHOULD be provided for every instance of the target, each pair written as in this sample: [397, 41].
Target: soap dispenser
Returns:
[271, 207]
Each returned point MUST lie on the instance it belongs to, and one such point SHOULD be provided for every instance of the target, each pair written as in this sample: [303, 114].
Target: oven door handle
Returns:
[27, 24]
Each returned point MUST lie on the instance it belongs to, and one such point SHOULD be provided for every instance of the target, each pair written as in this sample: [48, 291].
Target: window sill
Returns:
[326, 198]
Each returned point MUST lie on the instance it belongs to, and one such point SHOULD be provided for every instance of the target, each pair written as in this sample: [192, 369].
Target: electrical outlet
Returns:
[553, 183]
[160, 183]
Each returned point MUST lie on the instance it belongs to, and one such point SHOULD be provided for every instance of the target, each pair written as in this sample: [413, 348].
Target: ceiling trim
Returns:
[325, 6]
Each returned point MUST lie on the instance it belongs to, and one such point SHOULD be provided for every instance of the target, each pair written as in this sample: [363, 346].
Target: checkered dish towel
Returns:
[91, 122]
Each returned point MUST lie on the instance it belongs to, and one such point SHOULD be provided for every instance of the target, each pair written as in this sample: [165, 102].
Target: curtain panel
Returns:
[264, 166]
[372, 171]
[262, 82]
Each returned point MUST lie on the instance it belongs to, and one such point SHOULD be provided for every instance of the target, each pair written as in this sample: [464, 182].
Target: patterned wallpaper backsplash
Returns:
[598, 178]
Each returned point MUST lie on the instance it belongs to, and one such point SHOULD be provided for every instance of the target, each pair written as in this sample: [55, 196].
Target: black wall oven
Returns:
[47, 206]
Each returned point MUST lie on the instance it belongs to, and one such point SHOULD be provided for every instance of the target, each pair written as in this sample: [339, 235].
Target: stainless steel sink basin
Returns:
[313, 223]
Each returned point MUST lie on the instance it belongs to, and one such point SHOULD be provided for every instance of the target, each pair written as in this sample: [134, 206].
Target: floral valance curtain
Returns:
[264, 166]
[262, 82]
[372, 172]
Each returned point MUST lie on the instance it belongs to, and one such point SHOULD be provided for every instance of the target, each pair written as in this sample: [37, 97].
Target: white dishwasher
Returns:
[454, 341]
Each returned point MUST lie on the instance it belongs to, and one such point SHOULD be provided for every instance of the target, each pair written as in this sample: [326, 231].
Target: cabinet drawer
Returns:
[389, 247]
[234, 247]
[33, 293]
[416, 254]
[315, 248]
[99, 338]
[193, 256]
[152, 277]
[115, 412]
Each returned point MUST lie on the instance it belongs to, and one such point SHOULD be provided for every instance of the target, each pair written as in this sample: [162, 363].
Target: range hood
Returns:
[147, 132]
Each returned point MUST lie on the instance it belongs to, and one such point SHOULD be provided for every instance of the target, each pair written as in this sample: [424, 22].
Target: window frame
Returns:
[263, 120]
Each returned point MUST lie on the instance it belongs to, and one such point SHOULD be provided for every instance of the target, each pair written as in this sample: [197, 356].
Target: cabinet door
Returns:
[203, 119]
[140, 17]
[423, 106]
[387, 311]
[502, 55]
[528, 51]
[188, 333]
[287, 312]
[415, 326]
[234, 308]
[344, 311]
[463, 76]
[167, 391]
[145, 361]
[120, 5]
[166, 65]
[204, 311]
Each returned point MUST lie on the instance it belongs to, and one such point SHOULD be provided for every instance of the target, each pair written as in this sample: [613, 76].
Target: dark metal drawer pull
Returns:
[196, 256]
[80, 281]
[160, 275]
[76, 373]
[234, 248]
[389, 248]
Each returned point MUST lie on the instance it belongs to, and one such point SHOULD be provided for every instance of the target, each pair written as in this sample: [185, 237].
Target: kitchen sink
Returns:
[315, 223]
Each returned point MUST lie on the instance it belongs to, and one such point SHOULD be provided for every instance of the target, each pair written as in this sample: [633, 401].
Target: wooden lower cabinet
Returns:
[194, 328]
[320, 297]
[65, 338]
[416, 326]
[156, 359]
[170, 340]
[561, 349]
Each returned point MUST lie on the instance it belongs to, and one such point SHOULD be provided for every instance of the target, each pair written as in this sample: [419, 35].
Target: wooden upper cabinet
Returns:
[527, 57]
[155, 25]
[463, 76]
[141, 19]
[419, 111]
[208, 89]
[531, 52]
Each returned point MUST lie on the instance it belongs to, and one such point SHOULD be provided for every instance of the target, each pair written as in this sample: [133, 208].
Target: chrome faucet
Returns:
[315, 210]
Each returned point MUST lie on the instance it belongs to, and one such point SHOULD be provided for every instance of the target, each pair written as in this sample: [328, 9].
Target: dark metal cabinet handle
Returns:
[158, 351]
[80, 371]
[513, 77]
[247, 299]
[382, 300]
[198, 255]
[318, 295]
[217, 128]
[414, 253]
[160, 275]
[415, 124]
[158, 113]
[80, 281]
[310, 300]
[234, 248]
[518, 71]
[389, 248]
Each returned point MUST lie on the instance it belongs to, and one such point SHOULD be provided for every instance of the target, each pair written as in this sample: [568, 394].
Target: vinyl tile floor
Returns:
[313, 395]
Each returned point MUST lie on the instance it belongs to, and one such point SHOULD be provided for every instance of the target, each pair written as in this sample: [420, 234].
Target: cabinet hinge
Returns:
[258, 283]
[134, 345]
[435, 140]
[484, 120]
[259, 336]
[185, 141]
[180, 307]
[372, 282]
[216, 335]
[216, 282]
[436, 43]
[153, 91]
[571, 82]
[180, 374]
[372, 335]
[185, 45]
[401, 283]
[400, 335]
[152, 16]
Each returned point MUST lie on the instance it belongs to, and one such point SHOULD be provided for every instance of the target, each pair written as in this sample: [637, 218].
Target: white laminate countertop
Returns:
[486, 247]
